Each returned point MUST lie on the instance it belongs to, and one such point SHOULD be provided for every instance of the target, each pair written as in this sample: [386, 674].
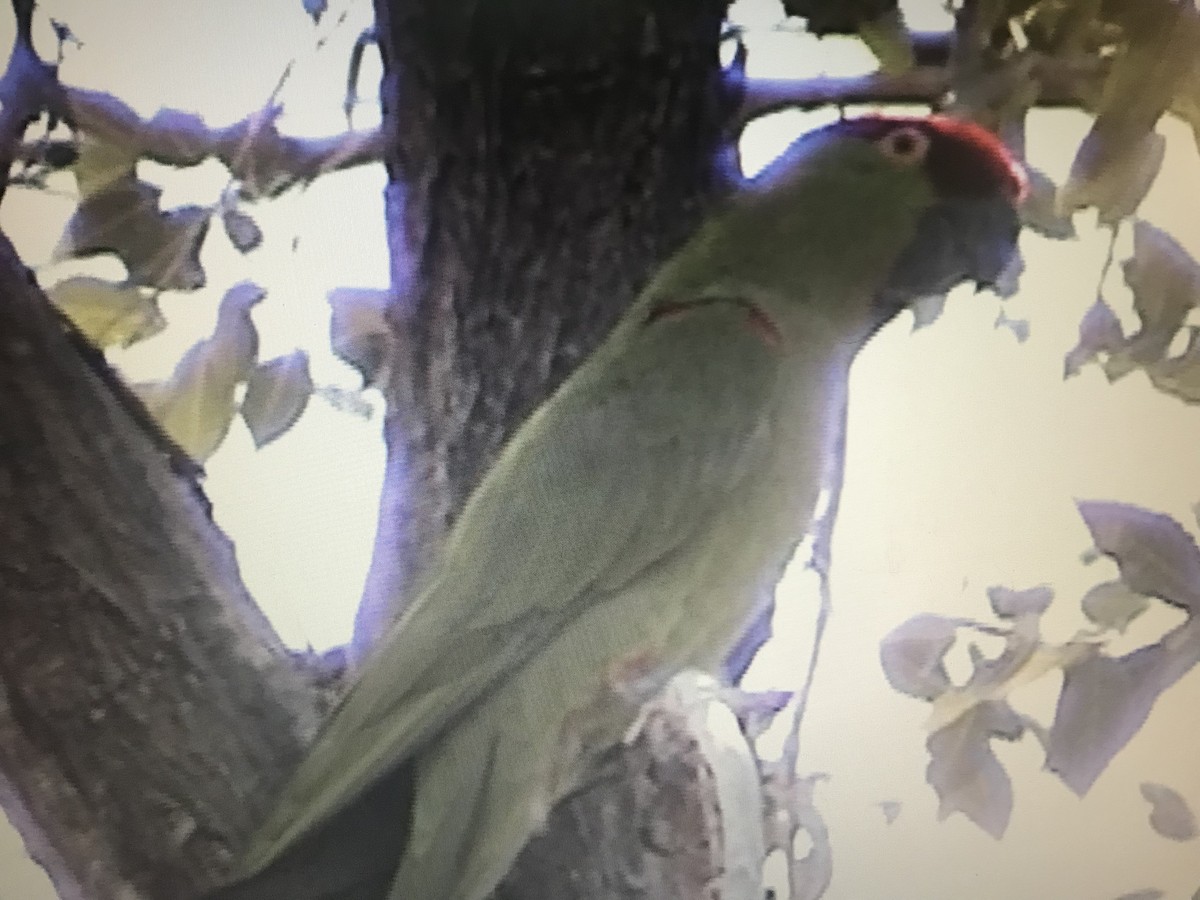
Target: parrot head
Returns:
[865, 216]
[968, 230]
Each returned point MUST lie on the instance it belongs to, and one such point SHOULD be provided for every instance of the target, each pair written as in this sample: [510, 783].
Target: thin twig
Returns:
[28, 88]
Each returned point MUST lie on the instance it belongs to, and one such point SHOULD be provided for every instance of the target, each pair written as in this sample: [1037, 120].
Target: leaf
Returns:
[1010, 604]
[1121, 155]
[887, 37]
[913, 656]
[109, 314]
[1170, 814]
[1148, 73]
[190, 139]
[1165, 282]
[1113, 176]
[1113, 605]
[1105, 700]
[101, 165]
[1179, 376]
[196, 405]
[1024, 659]
[1018, 327]
[1155, 555]
[360, 334]
[242, 230]
[964, 770]
[159, 249]
[1099, 332]
[276, 396]
[1039, 209]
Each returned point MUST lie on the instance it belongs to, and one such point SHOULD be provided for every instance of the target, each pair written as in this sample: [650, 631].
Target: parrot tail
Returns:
[351, 856]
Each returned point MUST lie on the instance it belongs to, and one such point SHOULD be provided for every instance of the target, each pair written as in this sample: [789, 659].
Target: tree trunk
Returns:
[544, 164]
[147, 709]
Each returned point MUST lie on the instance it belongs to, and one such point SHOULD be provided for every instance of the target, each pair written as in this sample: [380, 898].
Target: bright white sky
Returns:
[967, 452]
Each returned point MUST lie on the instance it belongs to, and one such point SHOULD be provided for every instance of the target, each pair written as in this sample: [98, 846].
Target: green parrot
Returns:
[620, 534]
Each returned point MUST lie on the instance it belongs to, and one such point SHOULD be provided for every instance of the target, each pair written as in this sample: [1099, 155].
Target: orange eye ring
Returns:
[906, 145]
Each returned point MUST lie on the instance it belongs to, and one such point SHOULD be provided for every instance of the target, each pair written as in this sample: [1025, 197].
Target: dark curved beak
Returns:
[957, 240]
[988, 232]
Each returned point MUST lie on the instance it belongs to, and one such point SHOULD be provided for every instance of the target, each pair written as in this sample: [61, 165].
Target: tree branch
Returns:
[148, 712]
[266, 162]
[1064, 84]
[27, 88]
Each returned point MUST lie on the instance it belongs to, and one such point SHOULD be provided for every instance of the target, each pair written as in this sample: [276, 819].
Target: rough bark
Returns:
[540, 172]
[147, 710]
[541, 169]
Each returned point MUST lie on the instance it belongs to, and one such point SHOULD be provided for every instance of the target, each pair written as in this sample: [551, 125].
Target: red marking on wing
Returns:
[759, 322]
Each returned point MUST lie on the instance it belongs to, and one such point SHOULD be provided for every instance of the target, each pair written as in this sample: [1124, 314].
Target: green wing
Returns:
[622, 466]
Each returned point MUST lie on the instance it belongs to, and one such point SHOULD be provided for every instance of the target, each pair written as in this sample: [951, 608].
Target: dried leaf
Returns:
[965, 772]
[1112, 175]
[1105, 700]
[1024, 659]
[1113, 605]
[1148, 73]
[101, 165]
[196, 405]
[1165, 282]
[188, 139]
[360, 334]
[276, 396]
[1121, 154]
[159, 249]
[1038, 211]
[109, 314]
[1155, 555]
[887, 37]
[913, 656]
[1009, 604]
[1099, 332]
[242, 230]
[1170, 814]
[1179, 376]
[1018, 327]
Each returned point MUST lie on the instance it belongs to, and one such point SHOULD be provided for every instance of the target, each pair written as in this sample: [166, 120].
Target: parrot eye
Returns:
[906, 145]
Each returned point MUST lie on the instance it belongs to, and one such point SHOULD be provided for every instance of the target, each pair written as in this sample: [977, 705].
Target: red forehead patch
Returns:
[964, 159]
